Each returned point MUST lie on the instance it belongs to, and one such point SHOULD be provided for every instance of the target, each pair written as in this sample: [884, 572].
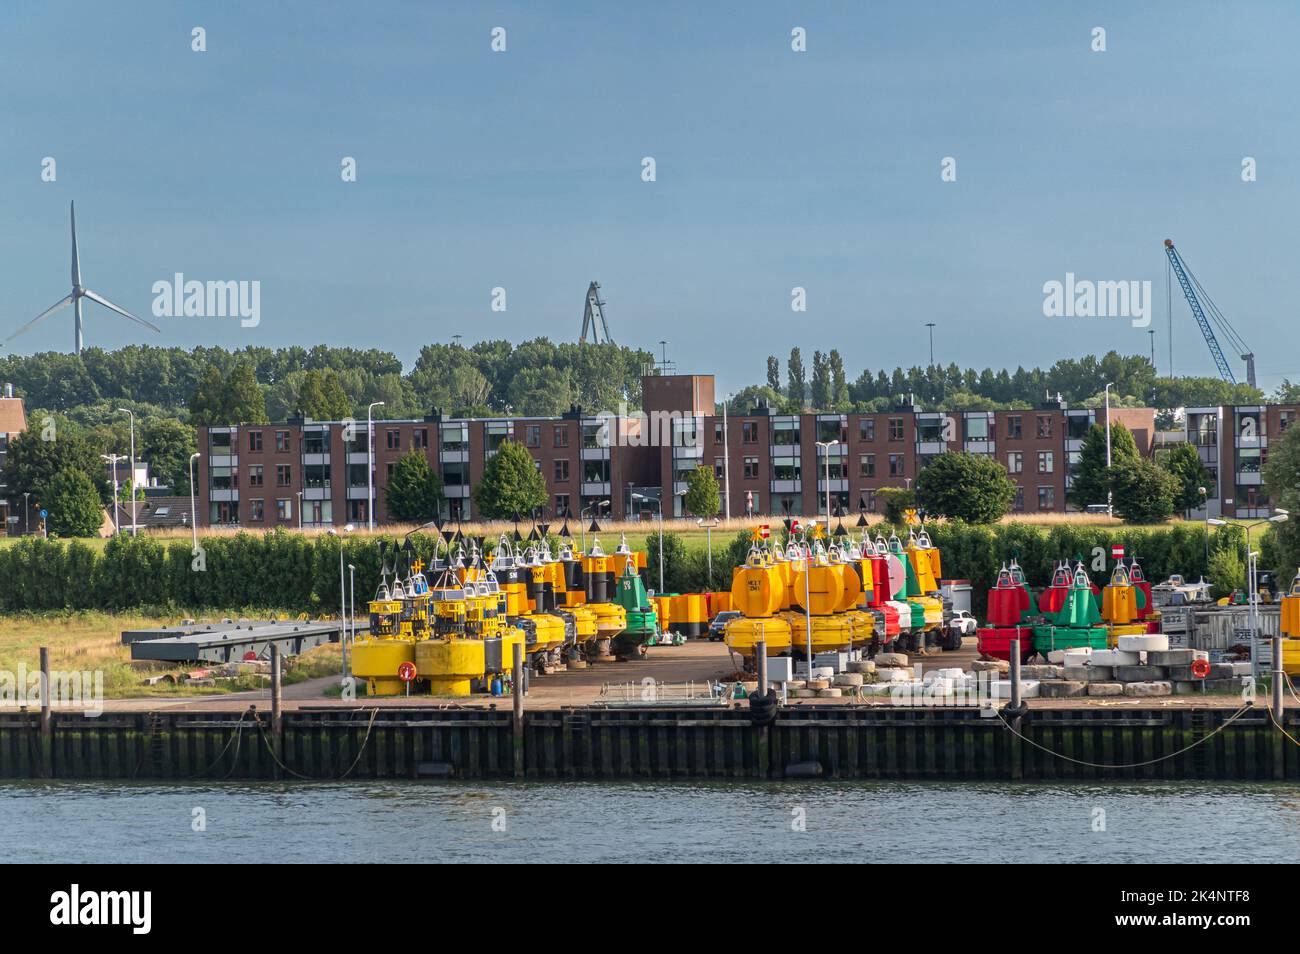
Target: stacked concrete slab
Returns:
[1142, 666]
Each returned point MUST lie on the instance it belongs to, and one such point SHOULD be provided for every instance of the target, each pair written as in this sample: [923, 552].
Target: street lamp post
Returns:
[1252, 595]
[930, 325]
[1110, 508]
[352, 618]
[194, 516]
[343, 595]
[370, 464]
[595, 509]
[27, 509]
[112, 462]
[807, 596]
[299, 509]
[825, 447]
[134, 521]
[708, 532]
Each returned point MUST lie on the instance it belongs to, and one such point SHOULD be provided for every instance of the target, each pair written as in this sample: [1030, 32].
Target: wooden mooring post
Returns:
[517, 723]
[47, 717]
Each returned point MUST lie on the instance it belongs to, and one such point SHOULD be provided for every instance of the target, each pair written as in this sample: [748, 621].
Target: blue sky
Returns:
[775, 169]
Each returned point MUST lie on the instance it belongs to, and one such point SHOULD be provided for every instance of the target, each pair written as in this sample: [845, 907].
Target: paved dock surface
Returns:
[697, 661]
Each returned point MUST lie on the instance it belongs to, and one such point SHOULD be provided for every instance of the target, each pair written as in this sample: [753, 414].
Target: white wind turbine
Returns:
[74, 297]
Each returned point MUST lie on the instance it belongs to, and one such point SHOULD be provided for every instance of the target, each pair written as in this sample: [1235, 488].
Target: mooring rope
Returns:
[1205, 738]
[275, 758]
[374, 713]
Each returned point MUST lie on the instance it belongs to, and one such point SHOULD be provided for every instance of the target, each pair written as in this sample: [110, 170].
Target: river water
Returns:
[649, 822]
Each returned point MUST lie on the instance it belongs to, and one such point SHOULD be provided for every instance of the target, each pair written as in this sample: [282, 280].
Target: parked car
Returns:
[963, 622]
[717, 627]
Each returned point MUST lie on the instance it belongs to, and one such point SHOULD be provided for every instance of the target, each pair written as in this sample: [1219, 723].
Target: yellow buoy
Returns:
[377, 661]
[450, 665]
[743, 633]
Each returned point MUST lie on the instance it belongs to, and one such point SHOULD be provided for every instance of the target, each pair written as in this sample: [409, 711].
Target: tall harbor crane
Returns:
[1208, 316]
[593, 318]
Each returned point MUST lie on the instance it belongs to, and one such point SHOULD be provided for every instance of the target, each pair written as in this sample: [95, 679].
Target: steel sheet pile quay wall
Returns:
[593, 743]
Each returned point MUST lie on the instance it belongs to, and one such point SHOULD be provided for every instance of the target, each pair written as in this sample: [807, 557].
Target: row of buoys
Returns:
[1067, 614]
[852, 594]
[458, 634]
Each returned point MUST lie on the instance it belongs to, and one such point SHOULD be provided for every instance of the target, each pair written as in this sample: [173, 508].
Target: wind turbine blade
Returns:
[76, 259]
[99, 299]
[61, 303]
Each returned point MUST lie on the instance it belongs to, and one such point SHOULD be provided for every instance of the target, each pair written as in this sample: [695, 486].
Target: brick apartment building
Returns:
[1233, 442]
[13, 421]
[314, 472]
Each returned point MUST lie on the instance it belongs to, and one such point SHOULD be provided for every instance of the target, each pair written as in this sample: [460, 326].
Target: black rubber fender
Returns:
[762, 707]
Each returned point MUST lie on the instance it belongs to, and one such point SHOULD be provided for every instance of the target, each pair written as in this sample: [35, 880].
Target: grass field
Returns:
[91, 641]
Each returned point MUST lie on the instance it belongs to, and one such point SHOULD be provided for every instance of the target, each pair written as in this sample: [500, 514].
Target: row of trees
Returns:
[1079, 381]
[978, 489]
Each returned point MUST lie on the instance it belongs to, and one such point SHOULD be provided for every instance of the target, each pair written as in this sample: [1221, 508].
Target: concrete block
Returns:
[1144, 642]
[853, 679]
[803, 693]
[990, 665]
[1062, 688]
[1040, 672]
[893, 675]
[1105, 688]
[1140, 673]
[890, 659]
[1183, 674]
[863, 666]
[1142, 689]
[1101, 673]
[1170, 657]
[1227, 670]
[819, 684]
[1056, 657]
[1076, 657]
[951, 673]
[828, 693]
[1028, 688]
[1114, 657]
[1183, 687]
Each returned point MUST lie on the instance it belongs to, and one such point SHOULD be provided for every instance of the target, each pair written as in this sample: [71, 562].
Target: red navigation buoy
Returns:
[250, 656]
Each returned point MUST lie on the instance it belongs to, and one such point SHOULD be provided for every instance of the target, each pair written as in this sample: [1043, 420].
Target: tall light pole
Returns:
[1110, 508]
[352, 617]
[134, 521]
[27, 509]
[343, 596]
[194, 514]
[660, 504]
[825, 447]
[726, 464]
[708, 532]
[807, 596]
[299, 509]
[930, 325]
[1252, 595]
[112, 462]
[370, 464]
[1152, 333]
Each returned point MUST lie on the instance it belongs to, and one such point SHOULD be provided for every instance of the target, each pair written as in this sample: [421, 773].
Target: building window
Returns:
[1018, 504]
[1015, 462]
[533, 435]
[1014, 425]
[388, 472]
[751, 468]
[1046, 462]
[719, 468]
[1046, 498]
[394, 438]
[1043, 427]
[561, 505]
[420, 438]
[255, 441]
[283, 474]
[867, 429]
[895, 465]
[785, 468]
[255, 475]
[869, 499]
[867, 465]
[560, 437]
[455, 438]
[717, 432]
[561, 470]
[282, 442]
[895, 428]
[256, 511]
[749, 432]
[284, 508]
[357, 511]
[786, 433]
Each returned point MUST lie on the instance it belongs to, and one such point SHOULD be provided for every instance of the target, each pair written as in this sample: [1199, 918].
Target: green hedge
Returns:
[289, 572]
